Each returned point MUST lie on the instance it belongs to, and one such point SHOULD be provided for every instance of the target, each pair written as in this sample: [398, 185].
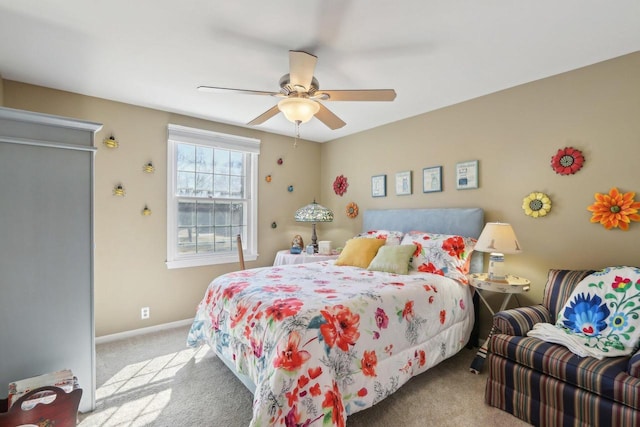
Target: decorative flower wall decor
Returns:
[615, 209]
[567, 161]
[340, 185]
[536, 204]
[352, 210]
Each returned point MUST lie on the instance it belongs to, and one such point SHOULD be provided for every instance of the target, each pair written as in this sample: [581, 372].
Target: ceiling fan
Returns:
[300, 93]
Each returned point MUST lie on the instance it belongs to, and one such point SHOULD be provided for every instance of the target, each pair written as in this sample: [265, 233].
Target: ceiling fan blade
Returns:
[301, 67]
[356, 95]
[328, 118]
[265, 116]
[230, 90]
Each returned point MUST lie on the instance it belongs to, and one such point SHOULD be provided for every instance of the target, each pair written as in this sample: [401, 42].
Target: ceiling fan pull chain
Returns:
[295, 141]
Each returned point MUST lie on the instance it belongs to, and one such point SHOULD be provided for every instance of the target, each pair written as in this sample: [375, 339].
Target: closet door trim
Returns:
[50, 144]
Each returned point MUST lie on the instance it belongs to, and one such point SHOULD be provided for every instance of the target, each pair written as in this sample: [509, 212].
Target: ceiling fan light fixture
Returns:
[298, 109]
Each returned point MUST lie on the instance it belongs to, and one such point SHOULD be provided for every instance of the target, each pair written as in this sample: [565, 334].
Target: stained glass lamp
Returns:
[314, 213]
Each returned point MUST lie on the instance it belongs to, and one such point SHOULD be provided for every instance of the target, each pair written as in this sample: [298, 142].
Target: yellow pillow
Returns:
[359, 252]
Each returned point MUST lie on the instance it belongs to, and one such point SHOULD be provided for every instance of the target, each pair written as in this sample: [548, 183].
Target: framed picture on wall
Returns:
[467, 175]
[432, 179]
[379, 186]
[403, 183]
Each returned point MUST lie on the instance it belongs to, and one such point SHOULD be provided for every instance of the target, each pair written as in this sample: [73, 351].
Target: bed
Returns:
[317, 342]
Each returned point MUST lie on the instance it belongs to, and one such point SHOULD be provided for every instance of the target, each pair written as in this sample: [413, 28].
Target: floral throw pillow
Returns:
[443, 254]
[392, 238]
[600, 318]
[603, 311]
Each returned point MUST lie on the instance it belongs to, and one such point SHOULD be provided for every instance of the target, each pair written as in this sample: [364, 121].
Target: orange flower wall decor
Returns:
[615, 209]
[352, 210]
[340, 185]
[567, 161]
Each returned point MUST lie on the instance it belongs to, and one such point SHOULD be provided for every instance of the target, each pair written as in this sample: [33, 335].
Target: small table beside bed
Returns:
[319, 341]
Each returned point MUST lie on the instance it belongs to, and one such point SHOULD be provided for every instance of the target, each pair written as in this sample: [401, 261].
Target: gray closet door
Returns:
[46, 294]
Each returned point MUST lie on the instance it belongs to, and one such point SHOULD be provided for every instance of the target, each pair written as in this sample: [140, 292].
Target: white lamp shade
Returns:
[498, 237]
[298, 109]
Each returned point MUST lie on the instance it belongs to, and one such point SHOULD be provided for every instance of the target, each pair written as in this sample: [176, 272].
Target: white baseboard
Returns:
[128, 334]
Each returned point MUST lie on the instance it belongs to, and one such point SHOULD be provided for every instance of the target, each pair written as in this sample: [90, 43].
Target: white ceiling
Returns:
[154, 53]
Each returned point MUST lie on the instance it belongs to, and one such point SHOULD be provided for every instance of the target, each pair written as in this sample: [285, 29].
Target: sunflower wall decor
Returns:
[615, 210]
[340, 185]
[536, 204]
[352, 210]
[567, 161]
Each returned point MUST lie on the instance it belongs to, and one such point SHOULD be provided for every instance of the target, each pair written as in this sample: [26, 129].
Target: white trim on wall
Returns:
[141, 331]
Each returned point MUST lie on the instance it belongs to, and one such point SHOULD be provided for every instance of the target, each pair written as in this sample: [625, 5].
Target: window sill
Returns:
[203, 261]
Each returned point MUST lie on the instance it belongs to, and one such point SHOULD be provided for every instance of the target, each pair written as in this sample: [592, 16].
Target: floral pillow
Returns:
[443, 254]
[392, 238]
[600, 318]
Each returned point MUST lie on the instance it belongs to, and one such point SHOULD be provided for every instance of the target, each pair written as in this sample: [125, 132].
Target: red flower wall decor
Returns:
[567, 161]
[340, 185]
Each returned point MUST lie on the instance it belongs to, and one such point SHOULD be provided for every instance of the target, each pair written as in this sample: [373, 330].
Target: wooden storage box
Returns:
[61, 412]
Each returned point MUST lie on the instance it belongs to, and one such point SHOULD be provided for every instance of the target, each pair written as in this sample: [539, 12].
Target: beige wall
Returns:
[130, 255]
[513, 134]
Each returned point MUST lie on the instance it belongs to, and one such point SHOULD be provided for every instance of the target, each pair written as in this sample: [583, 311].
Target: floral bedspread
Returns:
[322, 341]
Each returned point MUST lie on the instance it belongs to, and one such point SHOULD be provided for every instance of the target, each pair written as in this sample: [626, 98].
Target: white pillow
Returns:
[393, 238]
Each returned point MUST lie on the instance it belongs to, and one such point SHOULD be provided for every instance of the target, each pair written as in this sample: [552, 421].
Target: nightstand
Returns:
[285, 257]
[513, 285]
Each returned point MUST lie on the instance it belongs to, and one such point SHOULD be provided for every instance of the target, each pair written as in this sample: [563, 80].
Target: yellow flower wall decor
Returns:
[615, 209]
[352, 210]
[536, 204]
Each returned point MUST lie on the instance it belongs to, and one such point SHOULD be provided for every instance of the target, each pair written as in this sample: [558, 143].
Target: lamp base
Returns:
[314, 239]
[496, 270]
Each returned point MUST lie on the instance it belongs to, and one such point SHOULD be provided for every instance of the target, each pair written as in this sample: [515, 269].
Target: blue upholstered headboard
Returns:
[467, 222]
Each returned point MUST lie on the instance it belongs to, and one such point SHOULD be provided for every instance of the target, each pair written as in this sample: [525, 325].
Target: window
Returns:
[211, 197]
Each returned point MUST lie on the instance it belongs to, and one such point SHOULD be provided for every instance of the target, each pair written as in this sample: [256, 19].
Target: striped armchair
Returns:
[545, 384]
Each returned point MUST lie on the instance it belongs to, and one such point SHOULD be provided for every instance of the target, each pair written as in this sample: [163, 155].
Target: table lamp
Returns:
[314, 213]
[497, 238]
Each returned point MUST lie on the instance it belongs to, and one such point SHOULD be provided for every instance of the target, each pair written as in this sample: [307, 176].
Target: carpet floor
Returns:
[155, 380]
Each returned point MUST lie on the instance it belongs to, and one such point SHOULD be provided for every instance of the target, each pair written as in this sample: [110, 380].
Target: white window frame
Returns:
[182, 134]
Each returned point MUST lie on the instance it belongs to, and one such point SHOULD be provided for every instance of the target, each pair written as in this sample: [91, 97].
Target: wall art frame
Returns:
[403, 183]
[432, 179]
[467, 175]
[379, 186]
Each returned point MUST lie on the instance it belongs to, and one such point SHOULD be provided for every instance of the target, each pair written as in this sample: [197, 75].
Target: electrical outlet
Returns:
[144, 313]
